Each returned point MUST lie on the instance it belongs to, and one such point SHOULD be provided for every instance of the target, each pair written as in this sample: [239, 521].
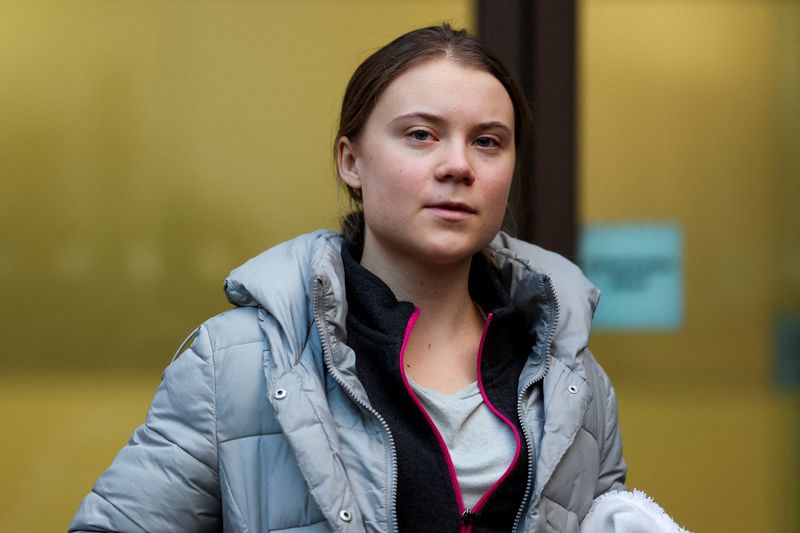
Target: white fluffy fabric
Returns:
[628, 512]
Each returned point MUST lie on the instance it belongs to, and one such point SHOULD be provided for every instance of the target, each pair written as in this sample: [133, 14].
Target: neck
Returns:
[421, 284]
[443, 348]
[441, 292]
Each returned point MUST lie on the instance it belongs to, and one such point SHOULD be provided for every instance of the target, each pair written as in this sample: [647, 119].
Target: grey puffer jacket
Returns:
[262, 424]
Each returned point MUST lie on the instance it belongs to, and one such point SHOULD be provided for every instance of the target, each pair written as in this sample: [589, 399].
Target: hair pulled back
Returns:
[373, 75]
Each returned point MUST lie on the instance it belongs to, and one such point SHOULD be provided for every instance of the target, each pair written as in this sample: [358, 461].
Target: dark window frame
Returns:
[536, 40]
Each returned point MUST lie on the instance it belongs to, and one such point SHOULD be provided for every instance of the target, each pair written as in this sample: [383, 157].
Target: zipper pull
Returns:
[468, 517]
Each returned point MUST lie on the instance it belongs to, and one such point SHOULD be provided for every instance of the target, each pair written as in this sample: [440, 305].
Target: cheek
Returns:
[499, 209]
[499, 187]
[388, 181]
[497, 195]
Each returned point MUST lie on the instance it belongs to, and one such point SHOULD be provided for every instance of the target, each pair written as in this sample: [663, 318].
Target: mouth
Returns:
[451, 212]
[455, 207]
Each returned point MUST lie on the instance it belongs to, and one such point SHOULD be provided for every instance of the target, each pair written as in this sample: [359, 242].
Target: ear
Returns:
[347, 162]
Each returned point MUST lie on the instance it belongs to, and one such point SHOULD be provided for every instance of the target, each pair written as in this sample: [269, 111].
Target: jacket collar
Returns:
[552, 292]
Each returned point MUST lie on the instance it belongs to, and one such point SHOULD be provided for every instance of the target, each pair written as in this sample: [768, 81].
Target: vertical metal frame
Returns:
[536, 41]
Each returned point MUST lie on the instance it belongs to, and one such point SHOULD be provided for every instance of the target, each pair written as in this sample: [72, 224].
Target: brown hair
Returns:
[372, 77]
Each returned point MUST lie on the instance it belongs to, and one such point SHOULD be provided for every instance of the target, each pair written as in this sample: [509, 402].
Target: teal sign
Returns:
[787, 347]
[639, 269]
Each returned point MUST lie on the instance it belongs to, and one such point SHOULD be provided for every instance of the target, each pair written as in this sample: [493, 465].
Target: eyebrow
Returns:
[436, 119]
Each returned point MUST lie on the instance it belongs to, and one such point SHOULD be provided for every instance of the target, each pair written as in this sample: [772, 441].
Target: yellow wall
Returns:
[146, 148]
[689, 111]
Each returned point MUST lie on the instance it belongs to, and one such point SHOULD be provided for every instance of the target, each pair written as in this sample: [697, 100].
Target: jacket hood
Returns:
[280, 281]
[264, 279]
[574, 300]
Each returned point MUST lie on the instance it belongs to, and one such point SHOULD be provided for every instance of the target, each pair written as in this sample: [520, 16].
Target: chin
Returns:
[430, 246]
[451, 251]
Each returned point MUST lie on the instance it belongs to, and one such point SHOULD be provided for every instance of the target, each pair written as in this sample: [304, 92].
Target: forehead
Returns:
[447, 88]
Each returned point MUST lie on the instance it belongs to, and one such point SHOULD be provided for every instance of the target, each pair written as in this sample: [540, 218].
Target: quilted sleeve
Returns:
[612, 466]
[166, 477]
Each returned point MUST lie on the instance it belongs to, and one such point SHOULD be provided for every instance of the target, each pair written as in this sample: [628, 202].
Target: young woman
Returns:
[422, 372]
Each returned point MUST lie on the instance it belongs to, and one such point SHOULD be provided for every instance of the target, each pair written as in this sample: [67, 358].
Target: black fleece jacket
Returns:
[376, 323]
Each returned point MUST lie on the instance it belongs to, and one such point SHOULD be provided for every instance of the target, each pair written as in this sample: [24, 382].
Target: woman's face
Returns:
[434, 164]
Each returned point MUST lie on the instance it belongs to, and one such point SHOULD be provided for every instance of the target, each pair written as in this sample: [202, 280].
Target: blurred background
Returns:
[148, 147]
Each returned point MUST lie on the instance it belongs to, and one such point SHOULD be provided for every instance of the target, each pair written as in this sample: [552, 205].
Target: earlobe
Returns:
[346, 162]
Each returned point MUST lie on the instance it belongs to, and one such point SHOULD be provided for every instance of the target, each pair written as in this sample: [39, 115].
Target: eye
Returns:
[486, 142]
[420, 135]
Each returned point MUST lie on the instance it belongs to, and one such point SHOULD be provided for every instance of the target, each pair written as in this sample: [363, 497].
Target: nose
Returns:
[455, 164]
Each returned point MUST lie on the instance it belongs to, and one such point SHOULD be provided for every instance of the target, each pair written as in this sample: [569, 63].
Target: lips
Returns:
[451, 212]
[453, 206]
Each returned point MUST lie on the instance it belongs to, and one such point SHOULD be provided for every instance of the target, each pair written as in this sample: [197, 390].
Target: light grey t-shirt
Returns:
[481, 445]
